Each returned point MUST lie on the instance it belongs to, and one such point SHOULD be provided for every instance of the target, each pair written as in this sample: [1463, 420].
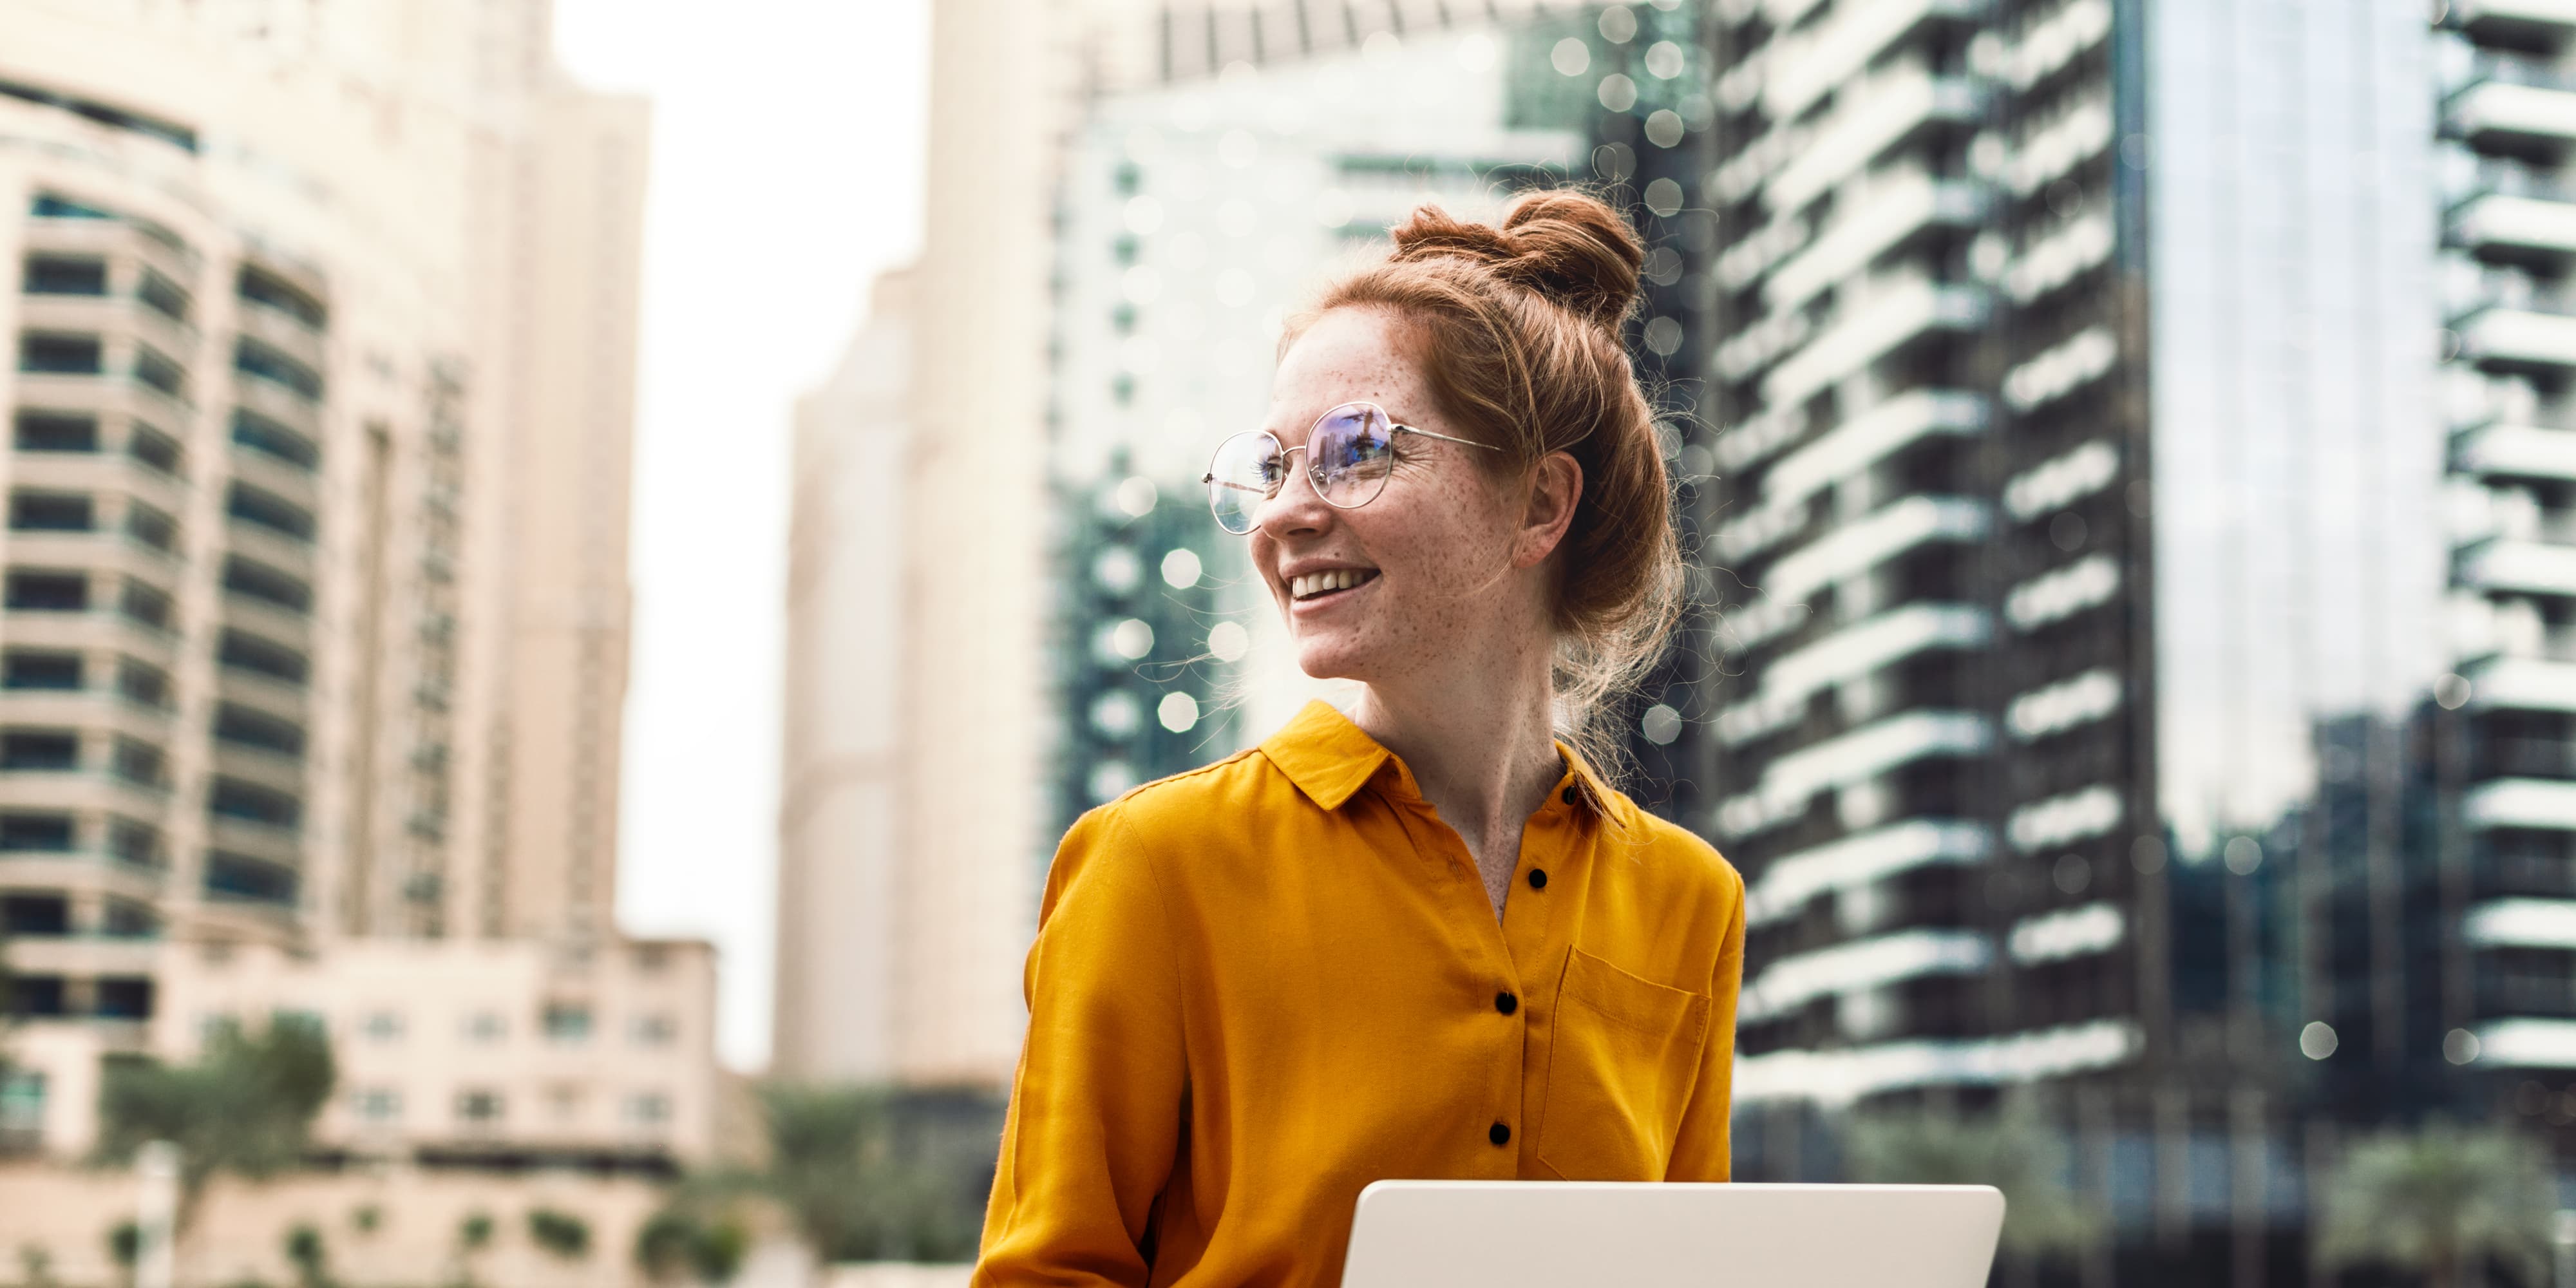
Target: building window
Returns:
[246, 652]
[251, 357]
[376, 1104]
[130, 921]
[269, 586]
[154, 448]
[270, 511]
[60, 355]
[239, 876]
[383, 1026]
[49, 592]
[234, 798]
[28, 669]
[140, 762]
[154, 368]
[151, 527]
[648, 1109]
[656, 1029]
[146, 604]
[267, 437]
[22, 1102]
[51, 512]
[485, 1027]
[39, 749]
[142, 683]
[36, 995]
[54, 431]
[43, 833]
[478, 1106]
[37, 915]
[133, 842]
[163, 295]
[128, 998]
[66, 275]
[48, 205]
[244, 727]
[567, 1022]
[260, 286]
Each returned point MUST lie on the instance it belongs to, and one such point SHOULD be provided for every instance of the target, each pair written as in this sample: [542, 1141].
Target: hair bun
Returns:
[1565, 245]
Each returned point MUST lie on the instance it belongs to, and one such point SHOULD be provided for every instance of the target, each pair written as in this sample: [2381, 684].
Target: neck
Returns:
[1475, 731]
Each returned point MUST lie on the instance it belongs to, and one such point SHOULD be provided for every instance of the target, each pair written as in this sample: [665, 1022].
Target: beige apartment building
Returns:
[313, 628]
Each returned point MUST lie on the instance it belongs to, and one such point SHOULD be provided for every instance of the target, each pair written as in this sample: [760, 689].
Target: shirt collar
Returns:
[1329, 759]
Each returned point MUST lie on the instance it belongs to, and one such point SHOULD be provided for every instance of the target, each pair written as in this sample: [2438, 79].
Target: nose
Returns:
[1296, 509]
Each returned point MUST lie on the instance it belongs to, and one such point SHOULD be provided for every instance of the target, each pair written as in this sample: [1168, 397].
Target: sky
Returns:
[787, 161]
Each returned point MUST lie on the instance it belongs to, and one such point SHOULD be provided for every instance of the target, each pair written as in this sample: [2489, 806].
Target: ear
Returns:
[1555, 486]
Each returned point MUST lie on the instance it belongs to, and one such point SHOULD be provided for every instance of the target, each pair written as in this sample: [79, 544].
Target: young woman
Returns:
[1425, 938]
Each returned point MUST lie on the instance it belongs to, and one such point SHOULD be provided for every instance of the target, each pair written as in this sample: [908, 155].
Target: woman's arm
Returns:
[1700, 1153]
[1095, 1112]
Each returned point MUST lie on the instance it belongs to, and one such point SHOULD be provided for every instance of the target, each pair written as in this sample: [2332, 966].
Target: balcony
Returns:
[282, 330]
[276, 698]
[275, 771]
[2515, 20]
[1791, 880]
[278, 846]
[1872, 436]
[1882, 113]
[1791, 781]
[298, 484]
[1805, 66]
[2511, 104]
[1792, 982]
[1879, 323]
[2515, 451]
[95, 550]
[2511, 683]
[1787, 685]
[2521, 923]
[2517, 566]
[89, 791]
[109, 395]
[92, 708]
[271, 547]
[100, 472]
[279, 403]
[2527, 230]
[2518, 338]
[1886, 533]
[260, 617]
[2527, 803]
[1885, 219]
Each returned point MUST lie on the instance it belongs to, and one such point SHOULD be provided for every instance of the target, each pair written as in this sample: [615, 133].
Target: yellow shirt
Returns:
[1259, 986]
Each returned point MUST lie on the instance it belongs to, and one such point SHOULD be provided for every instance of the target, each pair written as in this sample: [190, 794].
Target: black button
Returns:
[1500, 1135]
[1569, 793]
[1506, 1003]
[1538, 878]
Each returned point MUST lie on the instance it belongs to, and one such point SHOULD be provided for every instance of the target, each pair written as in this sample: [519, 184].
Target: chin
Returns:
[1330, 659]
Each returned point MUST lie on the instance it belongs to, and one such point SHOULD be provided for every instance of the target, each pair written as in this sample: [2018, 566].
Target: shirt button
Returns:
[1569, 793]
[1500, 1134]
[1538, 878]
[1506, 1003]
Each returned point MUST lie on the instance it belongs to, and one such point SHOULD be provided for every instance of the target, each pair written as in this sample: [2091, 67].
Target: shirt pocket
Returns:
[1622, 1055]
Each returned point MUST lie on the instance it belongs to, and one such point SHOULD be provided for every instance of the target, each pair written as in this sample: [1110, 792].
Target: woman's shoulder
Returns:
[1670, 848]
[1186, 803]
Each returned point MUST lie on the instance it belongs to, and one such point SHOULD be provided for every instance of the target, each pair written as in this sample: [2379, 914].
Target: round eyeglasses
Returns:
[1349, 453]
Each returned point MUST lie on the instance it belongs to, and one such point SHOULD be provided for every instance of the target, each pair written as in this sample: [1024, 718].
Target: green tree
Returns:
[305, 1252]
[473, 1235]
[678, 1242]
[837, 1167]
[245, 1107]
[561, 1233]
[2013, 1150]
[2441, 1201]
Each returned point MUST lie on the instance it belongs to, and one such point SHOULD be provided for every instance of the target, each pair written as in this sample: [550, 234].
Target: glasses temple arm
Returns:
[1466, 442]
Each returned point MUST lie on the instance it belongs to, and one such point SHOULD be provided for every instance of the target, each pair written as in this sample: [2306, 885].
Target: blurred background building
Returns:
[313, 645]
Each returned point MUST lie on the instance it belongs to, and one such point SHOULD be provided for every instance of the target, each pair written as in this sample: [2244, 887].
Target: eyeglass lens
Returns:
[1348, 456]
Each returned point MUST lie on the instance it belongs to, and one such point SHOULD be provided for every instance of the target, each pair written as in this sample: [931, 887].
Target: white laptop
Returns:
[1542, 1234]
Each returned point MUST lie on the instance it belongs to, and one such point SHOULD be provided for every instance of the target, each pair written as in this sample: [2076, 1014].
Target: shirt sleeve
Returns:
[1701, 1152]
[1096, 1103]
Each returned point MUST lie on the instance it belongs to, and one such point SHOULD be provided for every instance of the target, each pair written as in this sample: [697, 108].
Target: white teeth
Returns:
[1316, 583]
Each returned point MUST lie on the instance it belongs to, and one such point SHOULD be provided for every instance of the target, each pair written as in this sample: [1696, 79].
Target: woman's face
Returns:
[1429, 563]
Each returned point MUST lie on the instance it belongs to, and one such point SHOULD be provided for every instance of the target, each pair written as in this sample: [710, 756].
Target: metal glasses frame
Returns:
[1393, 428]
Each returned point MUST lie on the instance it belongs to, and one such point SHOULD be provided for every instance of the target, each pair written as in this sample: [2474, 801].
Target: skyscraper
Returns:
[2080, 566]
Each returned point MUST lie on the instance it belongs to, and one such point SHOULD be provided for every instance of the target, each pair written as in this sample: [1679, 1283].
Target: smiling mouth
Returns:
[1314, 586]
